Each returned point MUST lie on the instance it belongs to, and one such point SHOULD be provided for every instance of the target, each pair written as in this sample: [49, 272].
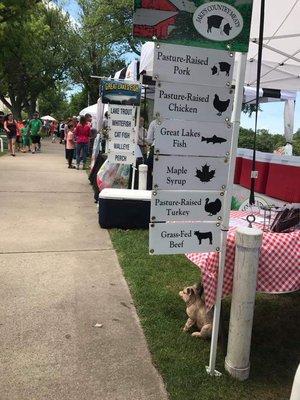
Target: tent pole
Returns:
[235, 120]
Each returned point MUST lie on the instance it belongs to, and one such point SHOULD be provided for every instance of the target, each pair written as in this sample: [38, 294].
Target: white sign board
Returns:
[191, 102]
[181, 237]
[193, 65]
[117, 124]
[121, 112]
[117, 158]
[119, 134]
[186, 205]
[190, 173]
[192, 138]
[121, 146]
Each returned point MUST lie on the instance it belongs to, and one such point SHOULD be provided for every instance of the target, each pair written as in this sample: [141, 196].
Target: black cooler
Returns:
[124, 208]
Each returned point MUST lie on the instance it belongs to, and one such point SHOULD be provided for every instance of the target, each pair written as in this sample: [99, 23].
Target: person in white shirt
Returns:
[142, 137]
[151, 131]
[151, 142]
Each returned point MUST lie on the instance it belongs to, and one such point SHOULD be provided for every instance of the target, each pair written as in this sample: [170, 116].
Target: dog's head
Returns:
[191, 293]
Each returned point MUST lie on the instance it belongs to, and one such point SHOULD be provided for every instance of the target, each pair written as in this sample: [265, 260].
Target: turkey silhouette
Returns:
[205, 174]
[213, 207]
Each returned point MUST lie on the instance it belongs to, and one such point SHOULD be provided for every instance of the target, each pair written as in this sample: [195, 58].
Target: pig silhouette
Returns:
[215, 21]
[225, 67]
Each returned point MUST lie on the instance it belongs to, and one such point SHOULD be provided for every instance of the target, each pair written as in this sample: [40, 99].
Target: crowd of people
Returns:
[25, 136]
[78, 139]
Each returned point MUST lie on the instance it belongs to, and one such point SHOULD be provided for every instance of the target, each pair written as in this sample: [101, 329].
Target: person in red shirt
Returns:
[82, 134]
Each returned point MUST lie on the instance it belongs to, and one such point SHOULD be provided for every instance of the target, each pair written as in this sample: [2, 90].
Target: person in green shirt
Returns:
[34, 128]
[25, 137]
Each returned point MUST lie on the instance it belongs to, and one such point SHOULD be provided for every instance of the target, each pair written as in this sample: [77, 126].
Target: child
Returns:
[25, 137]
[70, 145]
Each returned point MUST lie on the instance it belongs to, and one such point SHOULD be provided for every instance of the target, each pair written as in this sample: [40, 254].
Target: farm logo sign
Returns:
[199, 23]
[218, 21]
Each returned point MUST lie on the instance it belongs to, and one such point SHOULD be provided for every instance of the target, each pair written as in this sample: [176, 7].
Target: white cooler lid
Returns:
[125, 194]
[293, 161]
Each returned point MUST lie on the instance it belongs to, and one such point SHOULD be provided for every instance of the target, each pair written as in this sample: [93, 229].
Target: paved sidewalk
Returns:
[59, 277]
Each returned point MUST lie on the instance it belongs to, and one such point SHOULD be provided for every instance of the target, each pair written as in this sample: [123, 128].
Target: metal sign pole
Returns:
[137, 127]
[241, 59]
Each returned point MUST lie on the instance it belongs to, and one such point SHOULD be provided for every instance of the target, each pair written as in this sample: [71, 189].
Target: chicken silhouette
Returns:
[204, 174]
[220, 105]
[213, 207]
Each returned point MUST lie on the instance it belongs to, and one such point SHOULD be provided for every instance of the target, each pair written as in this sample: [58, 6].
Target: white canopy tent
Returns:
[48, 118]
[90, 110]
[281, 45]
[93, 111]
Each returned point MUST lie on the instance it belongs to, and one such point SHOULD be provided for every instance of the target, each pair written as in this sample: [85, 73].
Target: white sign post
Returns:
[193, 105]
[241, 69]
[191, 138]
[184, 237]
[191, 102]
[187, 64]
[121, 128]
[186, 205]
[195, 150]
[190, 173]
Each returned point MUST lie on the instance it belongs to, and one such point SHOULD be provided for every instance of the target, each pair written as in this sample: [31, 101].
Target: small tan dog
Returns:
[195, 309]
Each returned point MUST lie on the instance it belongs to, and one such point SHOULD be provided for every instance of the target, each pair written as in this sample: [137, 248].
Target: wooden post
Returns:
[248, 242]
[143, 171]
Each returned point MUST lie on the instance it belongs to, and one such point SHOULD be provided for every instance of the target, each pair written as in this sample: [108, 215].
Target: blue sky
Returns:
[272, 116]
[72, 7]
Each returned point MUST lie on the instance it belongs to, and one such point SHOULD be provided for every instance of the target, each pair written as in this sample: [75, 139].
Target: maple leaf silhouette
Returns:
[204, 174]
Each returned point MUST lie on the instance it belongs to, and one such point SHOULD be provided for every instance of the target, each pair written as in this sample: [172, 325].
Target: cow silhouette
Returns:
[203, 235]
[216, 21]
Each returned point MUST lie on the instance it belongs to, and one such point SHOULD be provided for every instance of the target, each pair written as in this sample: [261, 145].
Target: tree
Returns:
[104, 36]
[36, 56]
[265, 141]
[10, 9]
[55, 103]
[77, 102]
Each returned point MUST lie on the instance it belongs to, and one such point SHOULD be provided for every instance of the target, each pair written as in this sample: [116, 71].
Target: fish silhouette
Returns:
[214, 139]
[205, 174]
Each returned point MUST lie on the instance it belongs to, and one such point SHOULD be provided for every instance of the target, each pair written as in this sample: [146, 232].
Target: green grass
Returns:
[155, 281]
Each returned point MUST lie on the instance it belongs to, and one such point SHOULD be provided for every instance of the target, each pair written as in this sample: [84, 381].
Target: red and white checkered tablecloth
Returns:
[278, 270]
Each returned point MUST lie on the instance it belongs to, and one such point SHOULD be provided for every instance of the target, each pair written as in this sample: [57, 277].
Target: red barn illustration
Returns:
[158, 17]
[165, 5]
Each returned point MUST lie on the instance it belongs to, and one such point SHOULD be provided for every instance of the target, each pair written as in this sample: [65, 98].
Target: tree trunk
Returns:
[16, 103]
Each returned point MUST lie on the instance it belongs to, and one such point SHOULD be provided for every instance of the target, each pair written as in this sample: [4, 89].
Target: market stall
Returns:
[278, 270]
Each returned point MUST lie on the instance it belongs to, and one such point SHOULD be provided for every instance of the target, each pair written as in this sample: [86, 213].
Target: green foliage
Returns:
[249, 109]
[42, 48]
[35, 56]
[266, 141]
[11, 9]
[78, 101]
[104, 36]
[54, 102]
